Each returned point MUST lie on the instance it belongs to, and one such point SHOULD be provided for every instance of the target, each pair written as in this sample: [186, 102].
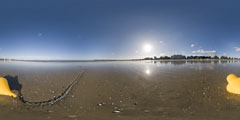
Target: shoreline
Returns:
[118, 60]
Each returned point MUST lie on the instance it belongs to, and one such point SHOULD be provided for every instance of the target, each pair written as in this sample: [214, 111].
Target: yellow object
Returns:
[233, 84]
[4, 88]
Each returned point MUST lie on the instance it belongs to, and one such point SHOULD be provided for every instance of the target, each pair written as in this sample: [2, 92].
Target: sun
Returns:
[147, 48]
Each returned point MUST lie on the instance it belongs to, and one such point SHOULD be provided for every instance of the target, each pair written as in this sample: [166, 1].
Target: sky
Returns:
[118, 29]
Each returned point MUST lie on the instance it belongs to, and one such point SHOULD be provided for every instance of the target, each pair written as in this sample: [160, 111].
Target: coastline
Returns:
[117, 60]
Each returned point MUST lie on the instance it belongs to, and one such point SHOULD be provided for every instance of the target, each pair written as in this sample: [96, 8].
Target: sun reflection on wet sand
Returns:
[148, 71]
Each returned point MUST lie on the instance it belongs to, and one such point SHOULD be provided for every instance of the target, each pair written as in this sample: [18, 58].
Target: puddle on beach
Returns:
[136, 90]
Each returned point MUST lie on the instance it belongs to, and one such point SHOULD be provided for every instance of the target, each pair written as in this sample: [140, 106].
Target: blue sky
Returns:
[106, 29]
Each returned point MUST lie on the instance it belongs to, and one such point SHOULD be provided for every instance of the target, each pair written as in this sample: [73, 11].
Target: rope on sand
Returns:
[55, 99]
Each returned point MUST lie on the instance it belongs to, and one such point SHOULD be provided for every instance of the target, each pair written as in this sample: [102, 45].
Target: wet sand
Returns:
[136, 90]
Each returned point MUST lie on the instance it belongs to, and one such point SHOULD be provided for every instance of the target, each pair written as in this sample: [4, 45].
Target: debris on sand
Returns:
[101, 104]
[116, 111]
[146, 111]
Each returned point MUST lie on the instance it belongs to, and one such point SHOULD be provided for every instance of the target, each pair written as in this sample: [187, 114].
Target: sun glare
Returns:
[147, 48]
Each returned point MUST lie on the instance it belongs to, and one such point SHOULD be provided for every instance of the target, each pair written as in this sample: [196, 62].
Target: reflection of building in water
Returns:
[215, 62]
[178, 57]
[178, 62]
[162, 62]
[203, 61]
[224, 61]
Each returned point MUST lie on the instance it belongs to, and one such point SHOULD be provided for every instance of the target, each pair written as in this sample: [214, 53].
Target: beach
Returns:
[136, 90]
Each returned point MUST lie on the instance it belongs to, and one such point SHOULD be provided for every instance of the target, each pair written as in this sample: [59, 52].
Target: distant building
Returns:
[178, 57]
[215, 57]
[164, 58]
[199, 57]
[191, 57]
[155, 58]
[224, 57]
[188, 57]
[148, 58]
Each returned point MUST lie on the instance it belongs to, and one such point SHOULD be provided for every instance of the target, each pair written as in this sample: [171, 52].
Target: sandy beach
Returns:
[136, 90]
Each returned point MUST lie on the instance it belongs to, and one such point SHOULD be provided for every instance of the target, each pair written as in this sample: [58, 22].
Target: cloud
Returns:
[40, 34]
[192, 45]
[205, 52]
[237, 49]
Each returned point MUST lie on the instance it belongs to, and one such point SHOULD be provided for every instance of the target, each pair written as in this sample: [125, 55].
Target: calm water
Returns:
[137, 90]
